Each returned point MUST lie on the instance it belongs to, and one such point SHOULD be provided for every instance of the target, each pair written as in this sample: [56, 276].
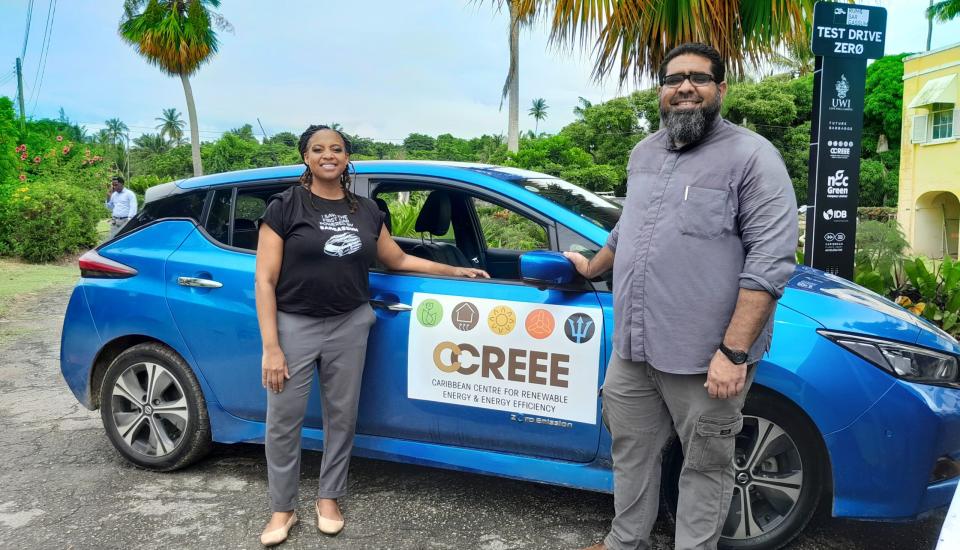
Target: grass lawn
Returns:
[17, 278]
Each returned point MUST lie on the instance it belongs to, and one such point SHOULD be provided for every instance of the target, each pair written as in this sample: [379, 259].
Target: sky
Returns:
[381, 68]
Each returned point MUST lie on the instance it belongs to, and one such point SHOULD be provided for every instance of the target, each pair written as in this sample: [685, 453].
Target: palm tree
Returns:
[117, 130]
[177, 36]
[637, 34]
[522, 13]
[171, 125]
[580, 109]
[798, 59]
[942, 11]
[152, 143]
[538, 110]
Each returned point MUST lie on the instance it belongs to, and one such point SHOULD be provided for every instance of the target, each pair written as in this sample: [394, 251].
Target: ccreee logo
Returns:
[520, 365]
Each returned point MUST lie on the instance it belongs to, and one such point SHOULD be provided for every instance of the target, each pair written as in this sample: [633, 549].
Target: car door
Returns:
[210, 292]
[494, 364]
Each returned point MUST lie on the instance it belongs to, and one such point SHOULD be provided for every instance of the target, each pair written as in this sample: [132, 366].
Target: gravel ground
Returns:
[63, 485]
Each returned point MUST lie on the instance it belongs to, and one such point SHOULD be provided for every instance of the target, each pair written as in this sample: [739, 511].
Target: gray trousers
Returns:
[642, 407]
[335, 347]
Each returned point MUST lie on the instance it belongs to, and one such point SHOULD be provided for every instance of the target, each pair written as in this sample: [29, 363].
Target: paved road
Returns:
[63, 485]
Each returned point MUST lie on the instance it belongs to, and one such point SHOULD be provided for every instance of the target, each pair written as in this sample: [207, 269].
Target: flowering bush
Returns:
[43, 220]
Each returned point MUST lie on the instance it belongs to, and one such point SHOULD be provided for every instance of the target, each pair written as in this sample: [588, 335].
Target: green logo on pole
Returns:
[429, 313]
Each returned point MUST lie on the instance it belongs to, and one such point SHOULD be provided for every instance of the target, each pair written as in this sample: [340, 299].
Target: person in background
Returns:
[122, 204]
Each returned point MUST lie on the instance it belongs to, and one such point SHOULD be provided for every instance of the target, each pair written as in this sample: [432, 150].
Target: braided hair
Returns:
[307, 177]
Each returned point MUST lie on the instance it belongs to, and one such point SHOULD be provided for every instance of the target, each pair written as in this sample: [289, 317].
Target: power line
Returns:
[44, 55]
[26, 32]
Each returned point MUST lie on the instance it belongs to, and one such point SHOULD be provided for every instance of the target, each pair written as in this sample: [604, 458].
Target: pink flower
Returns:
[23, 177]
[37, 159]
[66, 150]
[59, 138]
[23, 156]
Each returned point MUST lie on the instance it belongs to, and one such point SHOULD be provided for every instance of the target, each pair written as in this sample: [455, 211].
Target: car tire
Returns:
[791, 454]
[153, 409]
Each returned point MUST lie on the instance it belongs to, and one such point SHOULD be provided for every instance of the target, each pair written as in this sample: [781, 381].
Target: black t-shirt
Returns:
[327, 251]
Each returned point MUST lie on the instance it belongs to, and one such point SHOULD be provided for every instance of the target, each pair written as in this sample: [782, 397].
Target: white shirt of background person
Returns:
[122, 203]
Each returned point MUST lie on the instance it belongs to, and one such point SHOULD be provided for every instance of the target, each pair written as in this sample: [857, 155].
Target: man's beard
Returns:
[688, 126]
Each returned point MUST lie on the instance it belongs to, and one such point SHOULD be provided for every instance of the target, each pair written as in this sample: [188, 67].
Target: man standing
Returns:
[122, 204]
[700, 256]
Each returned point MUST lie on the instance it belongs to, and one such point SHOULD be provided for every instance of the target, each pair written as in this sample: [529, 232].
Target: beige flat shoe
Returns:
[330, 527]
[276, 536]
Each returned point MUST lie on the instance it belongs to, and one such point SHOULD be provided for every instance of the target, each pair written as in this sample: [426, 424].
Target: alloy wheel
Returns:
[768, 479]
[149, 409]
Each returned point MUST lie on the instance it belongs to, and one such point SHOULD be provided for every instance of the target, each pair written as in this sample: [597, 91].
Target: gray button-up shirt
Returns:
[699, 223]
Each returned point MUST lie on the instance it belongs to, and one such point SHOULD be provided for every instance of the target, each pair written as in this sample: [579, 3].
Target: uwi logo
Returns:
[842, 87]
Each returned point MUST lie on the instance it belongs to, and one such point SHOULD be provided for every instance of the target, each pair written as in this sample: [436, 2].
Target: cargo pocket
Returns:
[705, 213]
[713, 444]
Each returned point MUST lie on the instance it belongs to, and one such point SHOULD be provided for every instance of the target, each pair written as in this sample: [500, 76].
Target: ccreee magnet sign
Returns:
[848, 30]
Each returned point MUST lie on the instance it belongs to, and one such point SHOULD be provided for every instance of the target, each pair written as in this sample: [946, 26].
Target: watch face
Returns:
[736, 357]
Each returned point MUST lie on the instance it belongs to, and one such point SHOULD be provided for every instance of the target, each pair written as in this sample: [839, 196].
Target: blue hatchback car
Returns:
[856, 406]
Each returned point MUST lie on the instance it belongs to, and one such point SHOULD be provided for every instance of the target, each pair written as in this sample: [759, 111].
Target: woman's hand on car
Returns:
[470, 272]
[274, 369]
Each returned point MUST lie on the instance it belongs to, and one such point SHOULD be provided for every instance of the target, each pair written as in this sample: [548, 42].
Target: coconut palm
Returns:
[942, 11]
[152, 143]
[178, 37]
[637, 34]
[538, 110]
[171, 125]
[580, 109]
[117, 130]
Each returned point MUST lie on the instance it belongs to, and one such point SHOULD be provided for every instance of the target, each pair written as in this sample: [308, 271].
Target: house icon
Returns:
[465, 316]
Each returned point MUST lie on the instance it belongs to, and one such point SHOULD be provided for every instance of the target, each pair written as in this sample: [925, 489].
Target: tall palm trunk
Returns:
[513, 81]
[194, 127]
[929, 28]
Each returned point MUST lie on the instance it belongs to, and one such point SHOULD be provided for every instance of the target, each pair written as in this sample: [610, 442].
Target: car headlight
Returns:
[911, 363]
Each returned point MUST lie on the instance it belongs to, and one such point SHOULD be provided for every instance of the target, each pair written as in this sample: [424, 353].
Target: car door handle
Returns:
[391, 306]
[198, 283]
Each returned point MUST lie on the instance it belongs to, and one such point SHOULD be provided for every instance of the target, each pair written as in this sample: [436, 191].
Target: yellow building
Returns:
[929, 199]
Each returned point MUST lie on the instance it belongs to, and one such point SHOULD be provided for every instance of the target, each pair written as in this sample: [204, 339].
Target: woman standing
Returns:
[317, 242]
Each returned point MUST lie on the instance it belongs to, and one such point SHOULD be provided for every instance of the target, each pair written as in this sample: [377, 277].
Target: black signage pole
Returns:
[844, 37]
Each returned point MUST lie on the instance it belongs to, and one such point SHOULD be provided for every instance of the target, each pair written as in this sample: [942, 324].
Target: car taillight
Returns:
[94, 265]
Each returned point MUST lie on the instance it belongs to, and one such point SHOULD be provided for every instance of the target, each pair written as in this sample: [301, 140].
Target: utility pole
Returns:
[23, 114]
[265, 136]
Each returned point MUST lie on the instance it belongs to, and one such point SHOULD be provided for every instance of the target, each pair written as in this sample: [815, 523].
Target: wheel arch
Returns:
[114, 348]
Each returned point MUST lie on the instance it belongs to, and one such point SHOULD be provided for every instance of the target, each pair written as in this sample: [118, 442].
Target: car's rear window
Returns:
[187, 205]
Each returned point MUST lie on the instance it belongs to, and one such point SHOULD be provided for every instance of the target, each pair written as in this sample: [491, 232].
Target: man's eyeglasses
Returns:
[676, 80]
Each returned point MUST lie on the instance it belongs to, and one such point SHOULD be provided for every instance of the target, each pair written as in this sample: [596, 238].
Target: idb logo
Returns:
[579, 328]
[829, 214]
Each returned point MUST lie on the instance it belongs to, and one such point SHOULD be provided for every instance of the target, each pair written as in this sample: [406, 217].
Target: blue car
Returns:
[855, 407]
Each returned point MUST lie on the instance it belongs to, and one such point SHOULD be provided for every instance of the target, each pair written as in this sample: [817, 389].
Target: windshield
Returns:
[574, 198]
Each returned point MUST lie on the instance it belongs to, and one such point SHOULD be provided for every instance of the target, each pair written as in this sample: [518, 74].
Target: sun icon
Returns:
[502, 320]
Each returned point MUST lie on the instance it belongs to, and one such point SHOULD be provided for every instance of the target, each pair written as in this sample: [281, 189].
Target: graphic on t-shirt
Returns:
[336, 222]
[342, 244]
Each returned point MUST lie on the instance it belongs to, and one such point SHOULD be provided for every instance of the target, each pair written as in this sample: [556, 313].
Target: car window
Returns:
[186, 205]
[218, 220]
[247, 208]
[506, 229]
[405, 207]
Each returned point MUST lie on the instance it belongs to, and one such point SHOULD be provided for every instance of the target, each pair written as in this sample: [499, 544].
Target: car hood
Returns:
[841, 305]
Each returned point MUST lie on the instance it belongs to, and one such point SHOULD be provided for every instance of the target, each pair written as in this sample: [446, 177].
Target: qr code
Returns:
[858, 17]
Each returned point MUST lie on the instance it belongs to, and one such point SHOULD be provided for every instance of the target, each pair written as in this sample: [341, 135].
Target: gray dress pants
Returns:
[642, 407]
[335, 347]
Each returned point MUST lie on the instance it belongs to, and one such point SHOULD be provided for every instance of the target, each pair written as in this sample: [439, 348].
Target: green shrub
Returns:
[879, 258]
[43, 220]
[140, 184]
[601, 177]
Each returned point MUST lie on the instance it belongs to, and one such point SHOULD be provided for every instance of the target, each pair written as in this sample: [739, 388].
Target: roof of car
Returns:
[419, 167]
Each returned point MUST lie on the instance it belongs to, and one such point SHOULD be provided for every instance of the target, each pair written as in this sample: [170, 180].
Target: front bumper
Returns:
[883, 461]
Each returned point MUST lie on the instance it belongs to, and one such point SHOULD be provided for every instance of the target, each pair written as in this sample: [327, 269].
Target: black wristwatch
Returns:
[736, 356]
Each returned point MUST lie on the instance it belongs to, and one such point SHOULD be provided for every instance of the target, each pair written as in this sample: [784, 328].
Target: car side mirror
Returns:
[543, 269]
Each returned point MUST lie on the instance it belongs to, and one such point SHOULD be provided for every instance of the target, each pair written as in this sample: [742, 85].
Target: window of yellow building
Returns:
[942, 120]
